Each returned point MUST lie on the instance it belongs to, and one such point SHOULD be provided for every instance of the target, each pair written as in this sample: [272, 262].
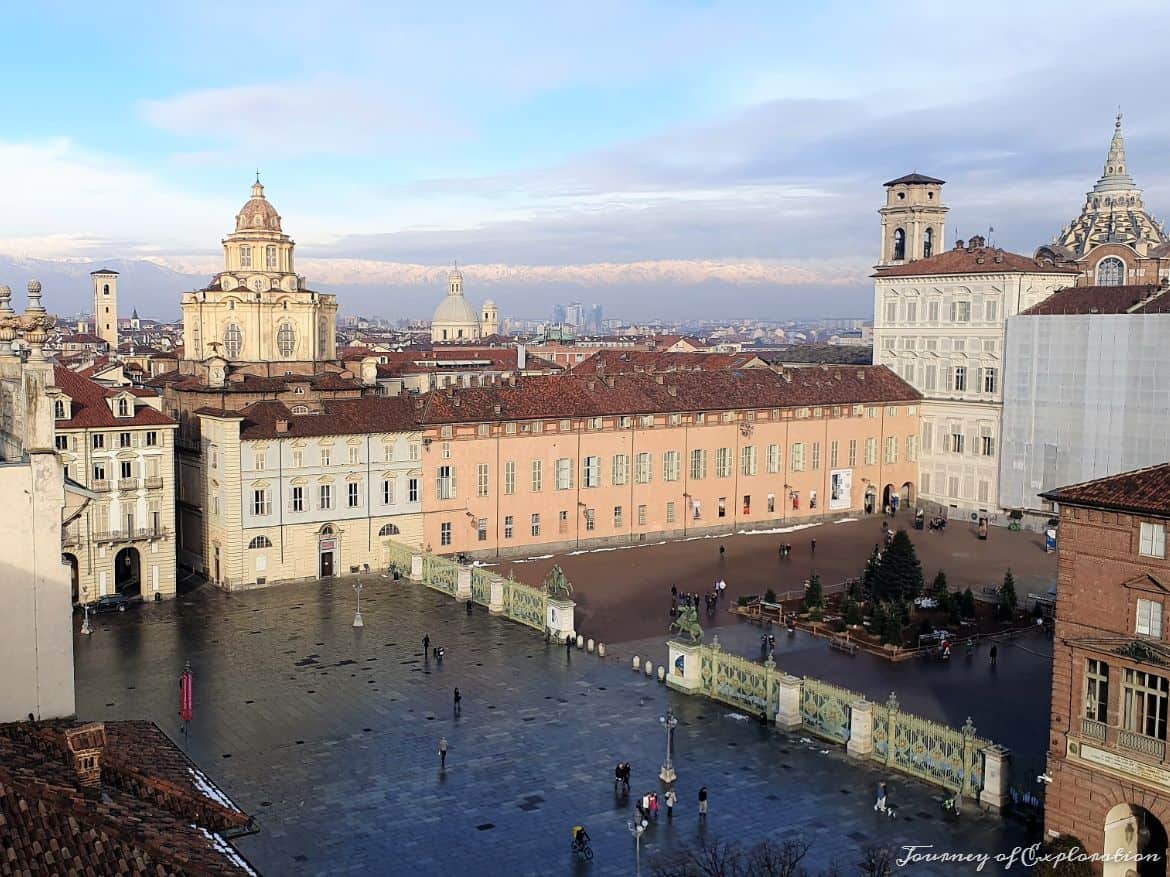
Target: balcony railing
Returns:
[131, 535]
[1094, 729]
[100, 486]
[153, 482]
[127, 484]
[70, 536]
[1141, 743]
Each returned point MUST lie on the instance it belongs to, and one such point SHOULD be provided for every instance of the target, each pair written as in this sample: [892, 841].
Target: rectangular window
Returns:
[245, 257]
[960, 312]
[748, 460]
[852, 453]
[535, 524]
[670, 513]
[326, 456]
[260, 459]
[911, 312]
[510, 477]
[891, 449]
[61, 442]
[928, 437]
[445, 533]
[481, 529]
[591, 472]
[990, 380]
[445, 449]
[125, 440]
[911, 448]
[509, 524]
[617, 517]
[1149, 619]
[796, 457]
[445, 483]
[483, 430]
[415, 451]
[960, 379]
[412, 490]
[871, 452]
[722, 505]
[298, 499]
[537, 476]
[932, 311]
[647, 421]
[1144, 703]
[991, 311]
[723, 463]
[671, 466]
[953, 487]
[698, 465]
[984, 490]
[641, 516]
[930, 377]
[126, 469]
[833, 455]
[747, 504]
[1153, 540]
[260, 504]
[816, 455]
[987, 446]
[1096, 690]
[564, 473]
[891, 312]
[481, 479]
[621, 469]
[388, 452]
[771, 502]
[325, 496]
[151, 438]
[387, 491]
[353, 454]
[590, 519]
[643, 468]
[957, 442]
[298, 459]
[773, 459]
[353, 494]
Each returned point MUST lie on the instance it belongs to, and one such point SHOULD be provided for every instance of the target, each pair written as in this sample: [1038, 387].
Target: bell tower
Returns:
[913, 220]
[105, 306]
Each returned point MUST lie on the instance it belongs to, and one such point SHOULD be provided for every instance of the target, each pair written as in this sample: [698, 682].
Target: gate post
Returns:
[997, 775]
[416, 567]
[496, 599]
[463, 584]
[860, 743]
[788, 714]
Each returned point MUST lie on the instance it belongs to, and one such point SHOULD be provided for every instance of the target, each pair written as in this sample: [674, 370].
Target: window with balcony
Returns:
[125, 468]
[1096, 690]
[1145, 697]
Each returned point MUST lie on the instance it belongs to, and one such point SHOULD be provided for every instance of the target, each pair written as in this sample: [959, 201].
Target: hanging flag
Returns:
[187, 694]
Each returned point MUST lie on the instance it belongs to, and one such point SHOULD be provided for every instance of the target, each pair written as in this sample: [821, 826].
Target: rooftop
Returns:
[914, 179]
[973, 258]
[1137, 299]
[91, 409]
[1141, 491]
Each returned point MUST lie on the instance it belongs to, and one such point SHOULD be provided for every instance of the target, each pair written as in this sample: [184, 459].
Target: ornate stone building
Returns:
[105, 306]
[1114, 241]
[455, 320]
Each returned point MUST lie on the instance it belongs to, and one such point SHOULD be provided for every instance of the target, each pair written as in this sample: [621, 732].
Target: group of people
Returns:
[710, 600]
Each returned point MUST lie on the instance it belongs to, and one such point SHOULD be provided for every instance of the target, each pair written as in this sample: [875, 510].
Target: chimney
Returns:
[282, 425]
[658, 378]
[861, 374]
[521, 356]
[592, 385]
[497, 408]
[85, 745]
[609, 382]
[672, 390]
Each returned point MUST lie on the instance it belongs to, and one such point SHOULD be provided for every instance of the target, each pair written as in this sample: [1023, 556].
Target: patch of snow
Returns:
[846, 520]
[794, 528]
[207, 788]
[739, 717]
[225, 849]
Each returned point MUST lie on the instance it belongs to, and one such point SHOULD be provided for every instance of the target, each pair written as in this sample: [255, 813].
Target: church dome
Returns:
[257, 213]
[454, 310]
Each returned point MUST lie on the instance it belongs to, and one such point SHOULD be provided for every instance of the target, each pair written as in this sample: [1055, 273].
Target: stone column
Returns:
[997, 776]
[788, 715]
[463, 584]
[682, 672]
[496, 606]
[860, 729]
[416, 568]
[558, 617]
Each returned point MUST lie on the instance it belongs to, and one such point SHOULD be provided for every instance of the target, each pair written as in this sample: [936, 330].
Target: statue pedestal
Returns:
[682, 672]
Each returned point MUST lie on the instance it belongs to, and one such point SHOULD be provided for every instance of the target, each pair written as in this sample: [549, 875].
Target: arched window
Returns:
[260, 542]
[123, 407]
[327, 530]
[59, 410]
[106, 289]
[300, 409]
[245, 257]
[1110, 272]
[928, 243]
[389, 530]
[899, 245]
[286, 339]
[233, 340]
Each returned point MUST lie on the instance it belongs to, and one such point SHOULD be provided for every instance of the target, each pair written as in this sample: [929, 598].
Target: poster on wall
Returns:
[840, 488]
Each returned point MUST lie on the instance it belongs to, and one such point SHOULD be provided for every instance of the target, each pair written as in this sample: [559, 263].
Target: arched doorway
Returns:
[907, 494]
[126, 572]
[1135, 830]
[70, 560]
[890, 498]
[327, 551]
[870, 500]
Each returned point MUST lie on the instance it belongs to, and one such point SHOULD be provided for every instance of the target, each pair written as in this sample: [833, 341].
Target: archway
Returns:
[870, 500]
[126, 572]
[1135, 830]
[907, 495]
[70, 560]
[890, 498]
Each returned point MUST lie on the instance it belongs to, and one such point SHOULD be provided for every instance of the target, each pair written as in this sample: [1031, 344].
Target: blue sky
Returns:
[567, 145]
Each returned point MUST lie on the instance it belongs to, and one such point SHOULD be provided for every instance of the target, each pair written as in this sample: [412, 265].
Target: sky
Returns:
[691, 158]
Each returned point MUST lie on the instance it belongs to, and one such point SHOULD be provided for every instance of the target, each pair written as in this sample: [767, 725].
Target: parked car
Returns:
[110, 603]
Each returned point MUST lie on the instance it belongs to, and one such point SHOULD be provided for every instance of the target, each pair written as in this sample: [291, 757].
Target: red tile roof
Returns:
[1141, 491]
[372, 414]
[1138, 299]
[465, 358]
[83, 338]
[91, 410]
[973, 260]
[154, 812]
[631, 361]
[243, 382]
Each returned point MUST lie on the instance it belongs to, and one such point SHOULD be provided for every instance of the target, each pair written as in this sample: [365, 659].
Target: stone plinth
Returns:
[559, 617]
[997, 777]
[496, 604]
[682, 671]
[416, 568]
[463, 584]
[860, 729]
[788, 713]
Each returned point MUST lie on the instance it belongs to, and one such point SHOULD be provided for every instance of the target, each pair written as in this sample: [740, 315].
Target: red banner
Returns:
[186, 695]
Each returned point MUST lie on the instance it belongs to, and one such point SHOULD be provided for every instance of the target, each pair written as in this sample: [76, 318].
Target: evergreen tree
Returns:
[967, 604]
[852, 613]
[877, 622]
[899, 574]
[871, 565]
[938, 588]
[1007, 595]
[814, 594]
[892, 627]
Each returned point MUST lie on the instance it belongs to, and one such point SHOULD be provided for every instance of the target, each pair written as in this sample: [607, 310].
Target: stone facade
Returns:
[105, 306]
[1110, 778]
[455, 320]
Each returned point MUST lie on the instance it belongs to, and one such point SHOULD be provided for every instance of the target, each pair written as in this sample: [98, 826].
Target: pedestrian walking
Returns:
[722, 551]
[994, 654]
[458, 702]
[880, 803]
[442, 752]
[814, 546]
[674, 592]
[568, 645]
[426, 644]
[703, 803]
[671, 798]
[654, 805]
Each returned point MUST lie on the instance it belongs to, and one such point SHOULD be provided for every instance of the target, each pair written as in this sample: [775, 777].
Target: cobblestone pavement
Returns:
[329, 736]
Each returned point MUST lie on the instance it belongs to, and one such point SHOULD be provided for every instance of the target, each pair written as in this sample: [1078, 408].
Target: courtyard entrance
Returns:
[127, 578]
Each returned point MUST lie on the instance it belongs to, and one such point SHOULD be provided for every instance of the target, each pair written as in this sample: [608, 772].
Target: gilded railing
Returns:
[738, 681]
[525, 604]
[825, 709]
[440, 574]
[400, 556]
[481, 585]
[929, 750]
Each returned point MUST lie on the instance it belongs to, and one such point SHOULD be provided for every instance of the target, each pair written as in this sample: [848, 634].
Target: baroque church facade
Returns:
[455, 320]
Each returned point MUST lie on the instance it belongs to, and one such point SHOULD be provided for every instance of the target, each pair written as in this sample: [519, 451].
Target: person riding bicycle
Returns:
[580, 836]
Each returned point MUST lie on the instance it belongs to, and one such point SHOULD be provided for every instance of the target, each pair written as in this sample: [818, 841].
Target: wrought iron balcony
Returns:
[100, 486]
[137, 535]
[1094, 729]
[70, 536]
[1141, 743]
[127, 484]
[153, 482]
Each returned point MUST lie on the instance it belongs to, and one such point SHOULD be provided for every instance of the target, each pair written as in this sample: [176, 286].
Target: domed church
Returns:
[456, 320]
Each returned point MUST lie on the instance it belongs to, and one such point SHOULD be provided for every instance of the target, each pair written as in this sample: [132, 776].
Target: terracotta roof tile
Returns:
[1142, 491]
[90, 408]
[372, 414]
[630, 361]
[977, 260]
[1097, 300]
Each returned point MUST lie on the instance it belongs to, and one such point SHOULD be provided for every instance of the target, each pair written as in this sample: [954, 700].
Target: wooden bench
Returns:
[843, 645]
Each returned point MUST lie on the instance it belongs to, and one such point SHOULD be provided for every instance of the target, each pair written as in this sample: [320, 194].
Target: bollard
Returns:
[601, 650]
[636, 663]
[649, 669]
[580, 641]
[589, 646]
[661, 673]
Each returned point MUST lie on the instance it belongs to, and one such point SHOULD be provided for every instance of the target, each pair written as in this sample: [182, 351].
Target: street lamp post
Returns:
[637, 827]
[85, 628]
[670, 722]
[357, 615]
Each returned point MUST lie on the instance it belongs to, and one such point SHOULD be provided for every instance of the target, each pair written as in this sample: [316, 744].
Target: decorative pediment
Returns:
[1146, 582]
[1141, 651]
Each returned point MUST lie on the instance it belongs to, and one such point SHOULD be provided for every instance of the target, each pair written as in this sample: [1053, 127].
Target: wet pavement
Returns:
[329, 736]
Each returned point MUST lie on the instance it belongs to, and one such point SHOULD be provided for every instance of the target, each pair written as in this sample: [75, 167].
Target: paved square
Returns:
[329, 736]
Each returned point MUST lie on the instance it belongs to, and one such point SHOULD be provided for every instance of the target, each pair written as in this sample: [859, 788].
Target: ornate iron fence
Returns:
[481, 585]
[738, 681]
[931, 751]
[440, 574]
[826, 709]
[525, 604]
[400, 556]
